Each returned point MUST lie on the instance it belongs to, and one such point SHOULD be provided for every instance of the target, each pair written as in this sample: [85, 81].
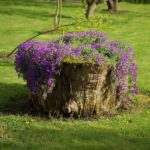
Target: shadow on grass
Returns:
[56, 136]
[32, 13]
[41, 3]
[26, 3]
[44, 15]
[6, 63]
[105, 11]
[26, 13]
[14, 99]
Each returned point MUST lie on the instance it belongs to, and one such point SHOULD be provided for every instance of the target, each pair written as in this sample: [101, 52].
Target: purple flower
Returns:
[40, 62]
[50, 81]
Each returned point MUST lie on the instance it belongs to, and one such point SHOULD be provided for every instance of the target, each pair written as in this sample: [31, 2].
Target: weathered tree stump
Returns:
[82, 90]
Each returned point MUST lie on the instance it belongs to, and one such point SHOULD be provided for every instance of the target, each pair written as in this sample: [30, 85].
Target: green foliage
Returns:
[99, 22]
[87, 51]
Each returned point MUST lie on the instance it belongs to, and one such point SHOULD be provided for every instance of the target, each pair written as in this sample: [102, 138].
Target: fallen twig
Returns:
[44, 32]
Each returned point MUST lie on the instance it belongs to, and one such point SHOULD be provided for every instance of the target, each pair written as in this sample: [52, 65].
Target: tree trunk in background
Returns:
[57, 17]
[91, 6]
[115, 5]
[82, 90]
[112, 5]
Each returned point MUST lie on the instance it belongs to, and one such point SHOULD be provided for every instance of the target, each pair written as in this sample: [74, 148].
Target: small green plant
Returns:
[101, 22]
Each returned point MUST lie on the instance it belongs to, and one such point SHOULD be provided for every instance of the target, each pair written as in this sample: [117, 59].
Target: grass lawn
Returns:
[21, 19]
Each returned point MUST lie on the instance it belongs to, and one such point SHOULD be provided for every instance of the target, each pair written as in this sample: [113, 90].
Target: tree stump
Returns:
[81, 90]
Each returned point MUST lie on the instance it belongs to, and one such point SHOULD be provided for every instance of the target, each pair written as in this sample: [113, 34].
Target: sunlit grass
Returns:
[21, 19]
[127, 132]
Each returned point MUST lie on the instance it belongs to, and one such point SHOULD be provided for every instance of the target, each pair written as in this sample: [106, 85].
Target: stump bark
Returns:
[81, 90]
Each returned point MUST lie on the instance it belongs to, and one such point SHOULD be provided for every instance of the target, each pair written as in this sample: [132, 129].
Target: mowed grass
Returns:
[21, 19]
[127, 132]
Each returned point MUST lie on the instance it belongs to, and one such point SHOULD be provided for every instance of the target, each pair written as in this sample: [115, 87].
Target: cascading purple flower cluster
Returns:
[40, 62]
